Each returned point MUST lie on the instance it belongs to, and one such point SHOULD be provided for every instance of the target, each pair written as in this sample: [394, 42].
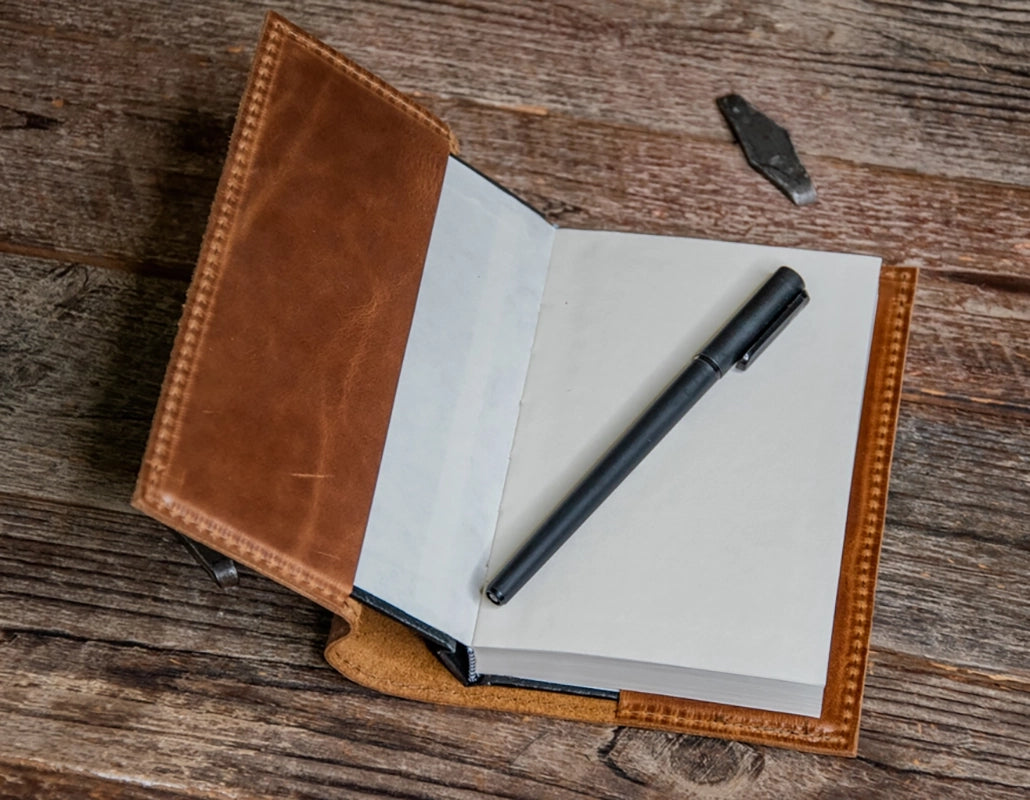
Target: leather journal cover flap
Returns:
[384, 655]
[276, 403]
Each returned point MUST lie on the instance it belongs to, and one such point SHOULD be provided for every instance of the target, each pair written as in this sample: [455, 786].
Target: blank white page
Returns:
[721, 551]
[446, 454]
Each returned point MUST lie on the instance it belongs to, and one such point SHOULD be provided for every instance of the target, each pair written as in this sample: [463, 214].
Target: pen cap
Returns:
[757, 322]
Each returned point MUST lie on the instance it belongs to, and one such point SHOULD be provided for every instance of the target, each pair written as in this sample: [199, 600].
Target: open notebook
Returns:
[711, 572]
[389, 370]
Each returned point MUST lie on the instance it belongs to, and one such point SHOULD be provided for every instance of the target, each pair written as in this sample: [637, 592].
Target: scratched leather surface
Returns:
[273, 415]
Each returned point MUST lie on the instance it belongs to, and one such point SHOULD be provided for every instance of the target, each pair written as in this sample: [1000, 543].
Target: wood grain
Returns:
[84, 356]
[938, 90]
[143, 124]
[288, 726]
[80, 573]
[27, 780]
[679, 185]
[128, 674]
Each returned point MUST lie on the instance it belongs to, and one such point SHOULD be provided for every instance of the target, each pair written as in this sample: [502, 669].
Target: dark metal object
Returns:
[768, 148]
[222, 569]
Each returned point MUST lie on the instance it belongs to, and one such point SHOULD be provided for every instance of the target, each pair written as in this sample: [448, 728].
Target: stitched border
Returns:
[203, 290]
[859, 622]
[204, 284]
[366, 78]
[286, 571]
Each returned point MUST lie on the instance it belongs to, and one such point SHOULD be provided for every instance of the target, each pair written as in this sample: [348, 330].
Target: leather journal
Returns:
[370, 375]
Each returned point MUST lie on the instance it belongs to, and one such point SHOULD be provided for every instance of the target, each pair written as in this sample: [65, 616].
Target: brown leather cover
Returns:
[273, 415]
[384, 655]
[274, 410]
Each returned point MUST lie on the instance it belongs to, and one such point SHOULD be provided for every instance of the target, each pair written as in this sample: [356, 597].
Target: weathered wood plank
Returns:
[957, 599]
[84, 353]
[146, 210]
[86, 573]
[939, 91]
[200, 724]
[32, 781]
[952, 463]
[123, 171]
[988, 352]
[946, 720]
[631, 179]
[114, 154]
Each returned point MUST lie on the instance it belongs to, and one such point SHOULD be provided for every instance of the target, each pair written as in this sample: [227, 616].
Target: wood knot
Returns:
[712, 762]
[681, 763]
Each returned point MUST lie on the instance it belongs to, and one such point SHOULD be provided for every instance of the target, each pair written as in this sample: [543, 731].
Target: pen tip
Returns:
[494, 597]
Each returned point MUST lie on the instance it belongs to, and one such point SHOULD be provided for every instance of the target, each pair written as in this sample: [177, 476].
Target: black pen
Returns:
[738, 344]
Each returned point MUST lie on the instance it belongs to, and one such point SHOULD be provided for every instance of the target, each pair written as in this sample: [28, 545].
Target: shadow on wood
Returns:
[140, 347]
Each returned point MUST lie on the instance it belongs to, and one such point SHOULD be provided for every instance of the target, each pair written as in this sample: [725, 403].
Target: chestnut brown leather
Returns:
[273, 415]
[384, 655]
[274, 410]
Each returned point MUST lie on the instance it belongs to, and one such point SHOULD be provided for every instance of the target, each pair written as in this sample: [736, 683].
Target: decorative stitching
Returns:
[366, 78]
[861, 618]
[205, 282]
[287, 570]
[357, 672]
[194, 327]
[836, 736]
[653, 713]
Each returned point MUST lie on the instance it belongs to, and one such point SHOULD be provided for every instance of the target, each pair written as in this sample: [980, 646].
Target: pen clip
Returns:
[772, 330]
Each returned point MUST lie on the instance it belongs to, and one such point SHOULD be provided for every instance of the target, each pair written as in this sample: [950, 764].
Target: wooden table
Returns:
[127, 673]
